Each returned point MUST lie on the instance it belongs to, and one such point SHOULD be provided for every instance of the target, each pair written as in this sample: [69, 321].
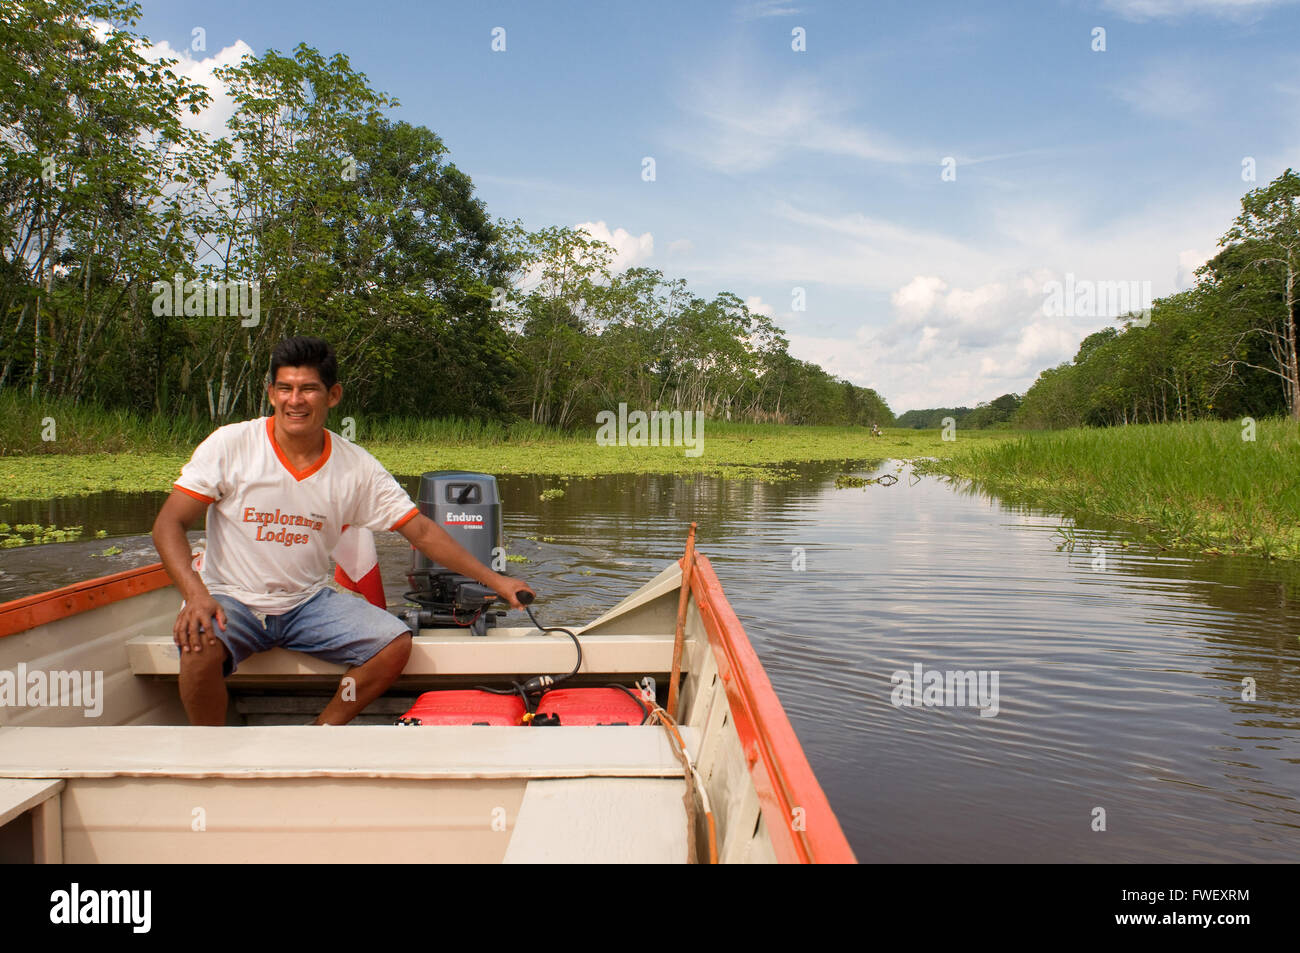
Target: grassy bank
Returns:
[80, 429]
[95, 451]
[1196, 485]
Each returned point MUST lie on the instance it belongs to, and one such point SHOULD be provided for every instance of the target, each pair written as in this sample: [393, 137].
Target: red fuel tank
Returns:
[465, 707]
[592, 706]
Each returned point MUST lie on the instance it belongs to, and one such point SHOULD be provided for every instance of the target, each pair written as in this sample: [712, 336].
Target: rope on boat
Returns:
[693, 783]
[688, 564]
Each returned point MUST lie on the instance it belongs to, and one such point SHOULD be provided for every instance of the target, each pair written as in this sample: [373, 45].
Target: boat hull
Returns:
[135, 783]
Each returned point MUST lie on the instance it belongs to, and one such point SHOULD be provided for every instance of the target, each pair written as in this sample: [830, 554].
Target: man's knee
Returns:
[399, 652]
[390, 661]
[211, 659]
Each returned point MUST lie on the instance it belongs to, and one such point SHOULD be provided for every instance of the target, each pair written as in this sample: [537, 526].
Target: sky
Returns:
[897, 185]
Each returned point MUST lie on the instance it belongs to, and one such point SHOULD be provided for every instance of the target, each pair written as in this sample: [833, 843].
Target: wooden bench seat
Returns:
[448, 652]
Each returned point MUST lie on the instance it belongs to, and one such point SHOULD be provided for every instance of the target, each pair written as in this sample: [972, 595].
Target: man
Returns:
[278, 491]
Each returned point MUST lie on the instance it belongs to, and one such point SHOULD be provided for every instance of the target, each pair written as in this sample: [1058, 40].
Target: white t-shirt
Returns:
[271, 528]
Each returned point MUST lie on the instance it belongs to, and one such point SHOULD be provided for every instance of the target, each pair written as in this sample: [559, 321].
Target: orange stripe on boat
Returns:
[31, 611]
[777, 764]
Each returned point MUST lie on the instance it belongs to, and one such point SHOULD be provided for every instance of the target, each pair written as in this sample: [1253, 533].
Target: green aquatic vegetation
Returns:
[1196, 486]
[1188, 485]
[34, 534]
[54, 475]
[512, 558]
[551, 494]
[764, 452]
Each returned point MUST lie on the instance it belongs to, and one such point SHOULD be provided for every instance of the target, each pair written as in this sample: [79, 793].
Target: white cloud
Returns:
[851, 251]
[760, 9]
[755, 304]
[738, 122]
[683, 246]
[919, 295]
[629, 249]
[1168, 9]
[951, 345]
[975, 318]
[934, 368]
[1188, 261]
[212, 120]
[857, 254]
[1168, 91]
[941, 320]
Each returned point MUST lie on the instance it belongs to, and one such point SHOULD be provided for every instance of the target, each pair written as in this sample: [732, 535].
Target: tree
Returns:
[561, 307]
[95, 192]
[277, 221]
[1053, 400]
[417, 258]
[1269, 228]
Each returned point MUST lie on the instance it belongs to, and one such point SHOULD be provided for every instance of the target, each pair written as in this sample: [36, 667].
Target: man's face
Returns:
[301, 400]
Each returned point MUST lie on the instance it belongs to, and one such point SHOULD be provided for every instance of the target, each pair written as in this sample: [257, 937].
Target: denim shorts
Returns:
[330, 626]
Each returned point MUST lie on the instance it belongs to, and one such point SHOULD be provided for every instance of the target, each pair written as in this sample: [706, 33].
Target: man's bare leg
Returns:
[203, 687]
[369, 680]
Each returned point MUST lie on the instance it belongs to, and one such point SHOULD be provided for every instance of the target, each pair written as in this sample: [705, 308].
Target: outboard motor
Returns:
[467, 506]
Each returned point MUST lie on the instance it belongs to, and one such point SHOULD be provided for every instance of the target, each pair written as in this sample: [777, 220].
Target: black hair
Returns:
[306, 352]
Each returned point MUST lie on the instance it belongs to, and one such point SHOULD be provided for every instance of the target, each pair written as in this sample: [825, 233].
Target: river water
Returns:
[1147, 705]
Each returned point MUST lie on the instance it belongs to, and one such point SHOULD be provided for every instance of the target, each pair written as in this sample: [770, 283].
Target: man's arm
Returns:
[436, 543]
[178, 514]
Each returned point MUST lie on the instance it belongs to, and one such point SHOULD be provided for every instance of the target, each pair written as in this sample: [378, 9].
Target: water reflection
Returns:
[1123, 687]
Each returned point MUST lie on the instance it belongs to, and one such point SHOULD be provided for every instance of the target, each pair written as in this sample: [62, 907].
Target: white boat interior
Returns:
[133, 782]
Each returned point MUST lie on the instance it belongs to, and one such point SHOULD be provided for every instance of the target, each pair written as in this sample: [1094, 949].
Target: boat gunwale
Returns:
[30, 612]
[778, 767]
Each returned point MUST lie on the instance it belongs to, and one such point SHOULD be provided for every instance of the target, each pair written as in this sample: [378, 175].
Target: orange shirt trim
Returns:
[415, 511]
[298, 475]
[198, 496]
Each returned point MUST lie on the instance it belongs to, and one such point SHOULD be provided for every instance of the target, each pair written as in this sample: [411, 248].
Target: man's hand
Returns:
[177, 515]
[508, 590]
[436, 543]
[194, 623]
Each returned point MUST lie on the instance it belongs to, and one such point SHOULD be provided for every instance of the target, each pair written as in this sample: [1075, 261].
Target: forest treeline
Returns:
[149, 266]
[999, 412]
[1225, 348]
